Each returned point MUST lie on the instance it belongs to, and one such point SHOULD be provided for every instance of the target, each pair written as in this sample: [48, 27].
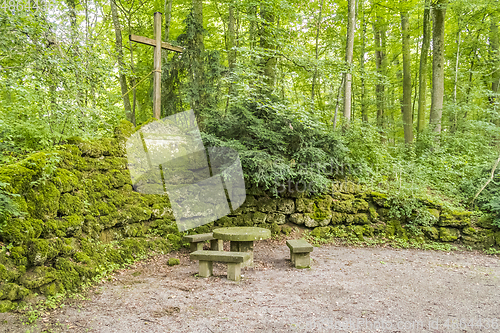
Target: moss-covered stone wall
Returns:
[83, 219]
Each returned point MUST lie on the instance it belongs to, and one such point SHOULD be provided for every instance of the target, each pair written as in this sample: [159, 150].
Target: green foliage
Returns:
[8, 207]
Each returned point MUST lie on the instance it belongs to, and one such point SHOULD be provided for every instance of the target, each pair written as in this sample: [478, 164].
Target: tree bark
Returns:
[268, 64]
[379, 33]
[231, 53]
[348, 59]
[119, 58]
[439, 9]
[495, 51]
[424, 55]
[364, 111]
[168, 18]
[199, 49]
[317, 49]
[406, 107]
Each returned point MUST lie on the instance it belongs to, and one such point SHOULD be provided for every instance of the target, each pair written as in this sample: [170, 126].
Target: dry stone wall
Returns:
[82, 219]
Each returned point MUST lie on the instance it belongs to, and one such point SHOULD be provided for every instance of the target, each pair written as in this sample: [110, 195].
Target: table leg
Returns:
[243, 247]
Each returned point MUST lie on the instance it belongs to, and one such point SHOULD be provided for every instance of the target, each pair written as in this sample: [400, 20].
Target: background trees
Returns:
[66, 69]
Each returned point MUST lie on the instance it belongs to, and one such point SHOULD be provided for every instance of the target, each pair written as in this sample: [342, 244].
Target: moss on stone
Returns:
[12, 291]
[38, 276]
[478, 238]
[70, 204]
[361, 218]
[448, 234]
[259, 217]
[6, 306]
[380, 199]
[266, 204]
[304, 205]
[43, 250]
[43, 201]
[286, 230]
[394, 228]
[65, 180]
[338, 218]
[431, 232]
[173, 261]
[19, 231]
[486, 221]
[321, 232]
[454, 219]
[285, 206]
[276, 218]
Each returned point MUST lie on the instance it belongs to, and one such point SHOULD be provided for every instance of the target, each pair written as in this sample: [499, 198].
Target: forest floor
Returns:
[350, 289]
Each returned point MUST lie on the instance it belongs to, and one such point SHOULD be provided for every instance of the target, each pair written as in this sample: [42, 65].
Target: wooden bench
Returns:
[299, 252]
[233, 260]
[196, 242]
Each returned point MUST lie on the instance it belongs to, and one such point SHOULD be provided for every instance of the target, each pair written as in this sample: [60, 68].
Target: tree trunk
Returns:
[168, 18]
[317, 48]
[379, 34]
[268, 64]
[119, 58]
[348, 58]
[231, 53]
[439, 9]
[424, 54]
[406, 107]
[199, 49]
[495, 51]
[364, 111]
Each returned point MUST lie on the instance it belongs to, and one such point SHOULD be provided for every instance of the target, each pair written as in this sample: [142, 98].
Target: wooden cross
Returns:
[158, 45]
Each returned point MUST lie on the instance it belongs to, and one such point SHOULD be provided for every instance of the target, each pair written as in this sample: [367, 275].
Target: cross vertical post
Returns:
[157, 67]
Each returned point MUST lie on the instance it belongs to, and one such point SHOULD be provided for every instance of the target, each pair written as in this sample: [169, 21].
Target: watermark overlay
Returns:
[168, 157]
[25, 6]
[416, 325]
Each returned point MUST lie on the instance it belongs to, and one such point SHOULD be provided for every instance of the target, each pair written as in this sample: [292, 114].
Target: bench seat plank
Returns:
[198, 238]
[221, 256]
[299, 246]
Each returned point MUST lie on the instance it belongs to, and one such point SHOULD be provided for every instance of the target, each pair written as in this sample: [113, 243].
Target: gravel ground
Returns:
[347, 289]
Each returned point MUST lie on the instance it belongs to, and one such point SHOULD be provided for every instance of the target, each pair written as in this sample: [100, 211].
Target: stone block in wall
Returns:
[38, 276]
[360, 205]
[380, 199]
[285, 206]
[311, 221]
[276, 218]
[266, 204]
[431, 232]
[338, 218]
[455, 219]
[244, 220]
[361, 218]
[449, 234]
[394, 228]
[159, 211]
[304, 205]
[478, 238]
[259, 217]
[342, 196]
[343, 206]
[297, 218]
[486, 221]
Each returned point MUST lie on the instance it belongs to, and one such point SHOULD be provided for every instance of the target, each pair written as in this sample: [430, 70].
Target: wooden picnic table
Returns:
[242, 238]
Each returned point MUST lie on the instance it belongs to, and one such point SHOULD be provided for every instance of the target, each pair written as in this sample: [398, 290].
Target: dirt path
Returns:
[347, 289]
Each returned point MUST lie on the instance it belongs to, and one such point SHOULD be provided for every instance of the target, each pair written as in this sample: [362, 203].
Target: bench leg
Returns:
[205, 268]
[196, 246]
[243, 246]
[291, 257]
[217, 245]
[302, 260]
[234, 271]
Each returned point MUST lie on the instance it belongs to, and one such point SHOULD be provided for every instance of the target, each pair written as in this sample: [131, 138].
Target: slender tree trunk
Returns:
[198, 101]
[168, 18]
[348, 59]
[364, 111]
[119, 57]
[439, 9]
[379, 34]
[231, 53]
[406, 107]
[495, 51]
[318, 25]
[268, 64]
[424, 55]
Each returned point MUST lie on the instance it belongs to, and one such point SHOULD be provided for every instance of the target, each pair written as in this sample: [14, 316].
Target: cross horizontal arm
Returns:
[151, 42]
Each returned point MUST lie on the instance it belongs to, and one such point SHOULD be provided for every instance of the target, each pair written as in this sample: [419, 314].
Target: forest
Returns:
[401, 97]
